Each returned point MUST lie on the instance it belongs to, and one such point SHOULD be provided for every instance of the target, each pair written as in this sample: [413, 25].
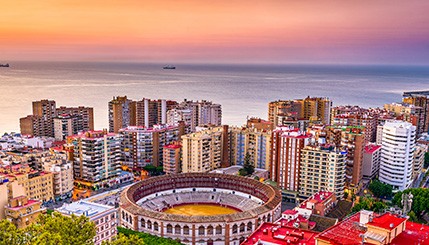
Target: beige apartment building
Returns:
[252, 141]
[202, 151]
[310, 108]
[322, 168]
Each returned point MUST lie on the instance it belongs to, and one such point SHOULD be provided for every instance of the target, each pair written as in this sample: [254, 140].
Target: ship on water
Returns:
[169, 67]
[4, 65]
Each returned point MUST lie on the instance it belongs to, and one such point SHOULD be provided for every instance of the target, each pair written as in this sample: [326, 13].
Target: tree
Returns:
[413, 217]
[380, 190]
[248, 167]
[420, 202]
[60, 229]
[10, 235]
[121, 239]
[148, 238]
[369, 204]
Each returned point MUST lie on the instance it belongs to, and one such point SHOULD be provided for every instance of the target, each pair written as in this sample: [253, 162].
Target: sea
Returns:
[242, 90]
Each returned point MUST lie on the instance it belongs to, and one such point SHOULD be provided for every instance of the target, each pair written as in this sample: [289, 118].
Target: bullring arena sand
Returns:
[200, 210]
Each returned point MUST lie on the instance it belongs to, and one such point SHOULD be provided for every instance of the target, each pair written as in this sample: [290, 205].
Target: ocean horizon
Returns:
[242, 89]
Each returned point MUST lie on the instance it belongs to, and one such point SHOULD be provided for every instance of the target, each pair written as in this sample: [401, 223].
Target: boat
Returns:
[4, 65]
[169, 67]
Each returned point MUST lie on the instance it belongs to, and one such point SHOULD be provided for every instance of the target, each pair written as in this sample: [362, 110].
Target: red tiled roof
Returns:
[290, 211]
[348, 231]
[414, 234]
[344, 233]
[371, 148]
[276, 234]
[387, 221]
[173, 146]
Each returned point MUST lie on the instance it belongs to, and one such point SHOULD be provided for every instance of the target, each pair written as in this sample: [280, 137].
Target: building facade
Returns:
[104, 217]
[96, 157]
[202, 151]
[172, 158]
[397, 154]
[281, 112]
[250, 141]
[323, 167]
[286, 147]
[144, 146]
[371, 161]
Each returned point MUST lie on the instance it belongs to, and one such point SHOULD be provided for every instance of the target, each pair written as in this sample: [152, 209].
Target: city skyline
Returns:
[382, 32]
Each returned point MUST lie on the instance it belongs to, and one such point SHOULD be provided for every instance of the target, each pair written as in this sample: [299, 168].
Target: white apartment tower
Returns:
[397, 154]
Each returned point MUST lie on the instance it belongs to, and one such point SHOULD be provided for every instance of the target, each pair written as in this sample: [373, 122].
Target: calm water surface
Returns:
[243, 90]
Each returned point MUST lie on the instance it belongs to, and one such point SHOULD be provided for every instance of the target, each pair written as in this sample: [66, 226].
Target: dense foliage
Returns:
[248, 167]
[368, 203]
[147, 238]
[380, 190]
[154, 171]
[54, 229]
[122, 239]
[420, 205]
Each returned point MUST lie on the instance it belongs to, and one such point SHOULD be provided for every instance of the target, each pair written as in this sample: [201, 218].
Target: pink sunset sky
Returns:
[221, 31]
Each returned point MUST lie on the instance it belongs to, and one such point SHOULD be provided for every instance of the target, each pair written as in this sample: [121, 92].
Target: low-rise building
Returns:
[272, 233]
[22, 212]
[366, 227]
[105, 218]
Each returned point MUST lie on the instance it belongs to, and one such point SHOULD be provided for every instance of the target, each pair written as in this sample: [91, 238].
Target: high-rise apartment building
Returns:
[352, 140]
[371, 161]
[144, 146]
[397, 154]
[152, 112]
[409, 113]
[419, 159]
[122, 113]
[283, 112]
[420, 99]
[46, 109]
[42, 121]
[66, 125]
[96, 157]
[176, 115]
[32, 125]
[63, 182]
[172, 157]
[322, 168]
[287, 144]
[196, 113]
[84, 114]
[203, 151]
[256, 143]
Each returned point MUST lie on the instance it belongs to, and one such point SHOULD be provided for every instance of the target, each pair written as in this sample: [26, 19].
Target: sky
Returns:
[220, 31]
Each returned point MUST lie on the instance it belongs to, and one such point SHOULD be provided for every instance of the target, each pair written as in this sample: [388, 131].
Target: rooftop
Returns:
[350, 231]
[269, 233]
[371, 148]
[86, 208]
[173, 146]
[387, 221]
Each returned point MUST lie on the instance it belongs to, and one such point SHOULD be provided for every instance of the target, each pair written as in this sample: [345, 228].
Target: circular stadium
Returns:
[199, 208]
